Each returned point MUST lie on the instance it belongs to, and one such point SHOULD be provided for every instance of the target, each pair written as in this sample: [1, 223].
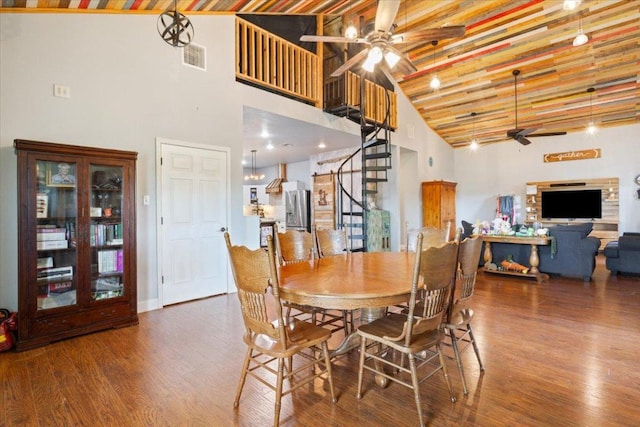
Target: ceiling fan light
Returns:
[375, 55]
[435, 82]
[351, 32]
[391, 58]
[571, 4]
[581, 38]
[368, 65]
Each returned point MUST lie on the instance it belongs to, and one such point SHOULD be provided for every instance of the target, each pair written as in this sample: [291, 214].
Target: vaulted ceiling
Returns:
[533, 36]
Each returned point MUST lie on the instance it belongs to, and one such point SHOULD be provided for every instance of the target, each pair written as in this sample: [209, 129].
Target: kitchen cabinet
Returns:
[76, 241]
[254, 193]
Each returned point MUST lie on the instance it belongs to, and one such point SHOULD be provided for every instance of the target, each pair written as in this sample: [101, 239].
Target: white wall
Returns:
[504, 168]
[129, 87]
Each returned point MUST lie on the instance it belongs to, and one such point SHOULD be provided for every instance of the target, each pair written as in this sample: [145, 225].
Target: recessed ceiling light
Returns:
[269, 146]
[322, 145]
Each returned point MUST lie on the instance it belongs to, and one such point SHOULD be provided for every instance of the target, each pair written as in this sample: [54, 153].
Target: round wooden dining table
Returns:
[350, 281]
[369, 281]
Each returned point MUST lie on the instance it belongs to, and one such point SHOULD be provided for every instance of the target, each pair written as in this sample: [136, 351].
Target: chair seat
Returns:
[300, 335]
[391, 326]
[460, 317]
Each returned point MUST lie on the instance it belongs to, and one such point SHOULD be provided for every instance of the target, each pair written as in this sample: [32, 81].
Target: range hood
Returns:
[275, 186]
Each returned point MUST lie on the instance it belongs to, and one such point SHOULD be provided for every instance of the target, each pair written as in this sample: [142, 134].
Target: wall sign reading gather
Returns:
[592, 153]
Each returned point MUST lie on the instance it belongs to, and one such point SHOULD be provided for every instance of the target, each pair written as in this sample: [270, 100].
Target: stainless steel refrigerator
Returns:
[297, 205]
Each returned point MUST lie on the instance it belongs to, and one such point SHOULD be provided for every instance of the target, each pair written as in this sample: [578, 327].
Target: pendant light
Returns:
[435, 82]
[581, 38]
[571, 4]
[474, 144]
[591, 128]
[175, 28]
[254, 175]
[351, 32]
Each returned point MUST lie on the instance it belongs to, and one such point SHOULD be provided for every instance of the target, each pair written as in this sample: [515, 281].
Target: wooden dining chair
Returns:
[431, 236]
[330, 242]
[270, 337]
[460, 314]
[299, 246]
[417, 334]
[294, 246]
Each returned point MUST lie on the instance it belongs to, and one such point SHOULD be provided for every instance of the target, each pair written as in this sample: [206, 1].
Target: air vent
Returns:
[194, 55]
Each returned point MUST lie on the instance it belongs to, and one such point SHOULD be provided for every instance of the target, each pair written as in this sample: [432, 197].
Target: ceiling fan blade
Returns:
[547, 134]
[429, 34]
[522, 140]
[386, 14]
[404, 65]
[385, 70]
[351, 62]
[526, 132]
[330, 39]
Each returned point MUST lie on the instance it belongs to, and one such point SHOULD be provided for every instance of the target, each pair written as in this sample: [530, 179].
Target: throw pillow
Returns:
[467, 230]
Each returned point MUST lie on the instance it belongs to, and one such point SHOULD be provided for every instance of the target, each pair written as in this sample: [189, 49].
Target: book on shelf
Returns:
[59, 287]
[106, 234]
[55, 273]
[45, 262]
[52, 244]
[56, 300]
[111, 261]
[52, 228]
[50, 235]
[42, 204]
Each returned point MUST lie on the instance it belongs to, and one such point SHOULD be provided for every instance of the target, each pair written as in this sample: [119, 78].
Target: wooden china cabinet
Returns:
[439, 205]
[76, 241]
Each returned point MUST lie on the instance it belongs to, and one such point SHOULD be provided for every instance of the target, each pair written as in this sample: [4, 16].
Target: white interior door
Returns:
[193, 221]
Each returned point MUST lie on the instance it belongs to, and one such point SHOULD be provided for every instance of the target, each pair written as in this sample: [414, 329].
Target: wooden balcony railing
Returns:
[269, 61]
[343, 93]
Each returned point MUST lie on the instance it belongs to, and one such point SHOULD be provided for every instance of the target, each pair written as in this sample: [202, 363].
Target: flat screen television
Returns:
[572, 204]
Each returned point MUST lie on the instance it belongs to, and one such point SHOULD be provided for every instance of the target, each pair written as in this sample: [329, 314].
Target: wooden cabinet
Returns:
[76, 241]
[378, 230]
[439, 205]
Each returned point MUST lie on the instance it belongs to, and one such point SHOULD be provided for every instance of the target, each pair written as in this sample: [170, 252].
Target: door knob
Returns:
[223, 229]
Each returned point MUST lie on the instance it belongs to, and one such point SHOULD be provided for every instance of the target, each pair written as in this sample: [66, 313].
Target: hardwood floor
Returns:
[562, 353]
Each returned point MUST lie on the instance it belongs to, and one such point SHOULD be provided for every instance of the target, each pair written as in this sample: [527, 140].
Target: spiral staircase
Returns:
[357, 192]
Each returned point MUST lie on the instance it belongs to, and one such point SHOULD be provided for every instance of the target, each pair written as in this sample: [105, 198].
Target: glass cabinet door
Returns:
[106, 235]
[56, 225]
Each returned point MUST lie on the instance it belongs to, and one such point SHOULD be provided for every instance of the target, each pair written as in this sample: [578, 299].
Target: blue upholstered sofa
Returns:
[623, 256]
[572, 254]
[575, 251]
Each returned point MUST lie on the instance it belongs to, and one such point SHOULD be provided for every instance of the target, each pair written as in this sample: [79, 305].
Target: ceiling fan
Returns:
[521, 135]
[380, 42]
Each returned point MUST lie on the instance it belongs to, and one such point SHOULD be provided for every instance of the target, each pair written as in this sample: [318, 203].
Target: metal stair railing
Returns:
[375, 162]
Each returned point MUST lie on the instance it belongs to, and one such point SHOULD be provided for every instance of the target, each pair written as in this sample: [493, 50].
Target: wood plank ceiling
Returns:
[534, 36]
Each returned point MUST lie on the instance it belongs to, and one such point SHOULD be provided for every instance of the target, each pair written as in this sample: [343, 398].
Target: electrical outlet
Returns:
[61, 91]
[145, 200]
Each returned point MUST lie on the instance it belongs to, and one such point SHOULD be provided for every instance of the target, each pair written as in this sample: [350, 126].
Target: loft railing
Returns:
[267, 60]
[343, 93]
